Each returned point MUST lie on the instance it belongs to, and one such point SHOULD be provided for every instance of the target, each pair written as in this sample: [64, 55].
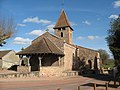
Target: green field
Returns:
[110, 64]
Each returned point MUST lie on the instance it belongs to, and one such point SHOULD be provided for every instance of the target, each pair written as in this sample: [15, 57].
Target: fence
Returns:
[94, 87]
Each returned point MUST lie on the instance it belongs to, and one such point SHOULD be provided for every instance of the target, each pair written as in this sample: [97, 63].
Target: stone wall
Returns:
[0, 63]
[86, 55]
[37, 74]
[20, 75]
[69, 52]
[51, 71]
[24, 69]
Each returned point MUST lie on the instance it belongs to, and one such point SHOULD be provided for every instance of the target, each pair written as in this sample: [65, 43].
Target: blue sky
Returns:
[90, 20]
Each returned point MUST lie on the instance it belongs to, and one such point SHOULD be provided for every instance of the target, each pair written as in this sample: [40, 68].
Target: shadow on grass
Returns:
[103, 77]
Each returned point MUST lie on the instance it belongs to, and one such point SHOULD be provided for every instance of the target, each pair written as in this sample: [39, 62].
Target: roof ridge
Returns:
[67, 21]
[47, 43]
[5, 50]
[55, 45]
[39, 36]
[56, 36]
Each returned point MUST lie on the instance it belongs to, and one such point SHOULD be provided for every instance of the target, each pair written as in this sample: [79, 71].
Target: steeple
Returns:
[63, 28]
[63, 21]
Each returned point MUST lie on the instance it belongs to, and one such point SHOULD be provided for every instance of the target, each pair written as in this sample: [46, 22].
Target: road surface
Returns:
[53, 83]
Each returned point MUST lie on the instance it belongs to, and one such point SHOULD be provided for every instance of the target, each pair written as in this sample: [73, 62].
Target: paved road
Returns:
[66, 83]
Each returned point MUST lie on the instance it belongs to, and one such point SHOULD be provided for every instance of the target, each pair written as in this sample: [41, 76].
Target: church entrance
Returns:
[90, 64]
[95, 63]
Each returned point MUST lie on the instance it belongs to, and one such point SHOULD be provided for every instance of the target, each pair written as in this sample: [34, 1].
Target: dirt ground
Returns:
[53, 83]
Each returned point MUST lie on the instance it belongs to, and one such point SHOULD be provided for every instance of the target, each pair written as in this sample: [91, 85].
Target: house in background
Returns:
[8, 58]
[56, 54]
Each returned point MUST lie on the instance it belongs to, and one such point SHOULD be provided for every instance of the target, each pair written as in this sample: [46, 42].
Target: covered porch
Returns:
[41, 55]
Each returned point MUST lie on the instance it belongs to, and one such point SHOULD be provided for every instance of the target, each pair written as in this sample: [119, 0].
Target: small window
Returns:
[59, 28]
[63, 28]
[61, 34]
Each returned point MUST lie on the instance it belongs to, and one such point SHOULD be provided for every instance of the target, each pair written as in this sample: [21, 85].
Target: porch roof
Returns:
[44, 46]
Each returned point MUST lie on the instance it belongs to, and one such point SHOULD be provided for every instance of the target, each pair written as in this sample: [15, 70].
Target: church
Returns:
[56, 54]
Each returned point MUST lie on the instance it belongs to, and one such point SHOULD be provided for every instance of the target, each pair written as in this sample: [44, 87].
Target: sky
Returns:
[90, 20]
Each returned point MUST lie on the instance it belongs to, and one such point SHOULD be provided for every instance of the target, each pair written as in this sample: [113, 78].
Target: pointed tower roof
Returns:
[63, 21]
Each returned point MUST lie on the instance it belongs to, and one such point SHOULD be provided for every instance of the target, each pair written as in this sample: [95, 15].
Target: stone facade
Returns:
[68, 58]
[65, 34]
[51, 70]
[24, 69]
[87, 55]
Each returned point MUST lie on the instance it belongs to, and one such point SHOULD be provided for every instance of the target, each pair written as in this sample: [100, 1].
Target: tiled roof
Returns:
[44, 46]
[46, 34]
[3, 53]
[63, 21]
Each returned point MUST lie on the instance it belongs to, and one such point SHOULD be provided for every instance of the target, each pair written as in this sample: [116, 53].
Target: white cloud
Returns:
[36, 20]
[73, 24]
[116, 4]
[98, 19]
[113, 16]
[36, 32]
[21, 25]
[79, 38]
[50, 27]
[97, 37]
[92, 37]
[44, 21]
[20, 40]
[86, 22]
[88, 37]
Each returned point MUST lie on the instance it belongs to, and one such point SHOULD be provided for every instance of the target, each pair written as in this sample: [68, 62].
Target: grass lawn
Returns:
[110, 64]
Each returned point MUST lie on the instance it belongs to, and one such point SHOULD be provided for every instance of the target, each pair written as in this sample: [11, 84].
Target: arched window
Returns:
[61, 34]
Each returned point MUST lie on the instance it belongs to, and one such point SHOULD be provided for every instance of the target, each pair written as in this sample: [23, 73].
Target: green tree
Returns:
[7, 29]
[104, 56]
[113, 39]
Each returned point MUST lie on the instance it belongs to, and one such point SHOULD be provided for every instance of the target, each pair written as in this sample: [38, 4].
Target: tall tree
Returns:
[104, 55]
[113, 39]
[7, 29]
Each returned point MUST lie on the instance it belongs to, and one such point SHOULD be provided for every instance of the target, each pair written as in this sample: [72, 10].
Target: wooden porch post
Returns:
[20, 56]
[59, 61]
[28, 60]
[40, 61]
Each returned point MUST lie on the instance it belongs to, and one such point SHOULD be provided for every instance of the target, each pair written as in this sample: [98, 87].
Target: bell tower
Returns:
[63, 28]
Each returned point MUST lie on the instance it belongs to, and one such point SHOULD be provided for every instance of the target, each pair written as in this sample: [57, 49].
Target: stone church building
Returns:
[56, 54]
